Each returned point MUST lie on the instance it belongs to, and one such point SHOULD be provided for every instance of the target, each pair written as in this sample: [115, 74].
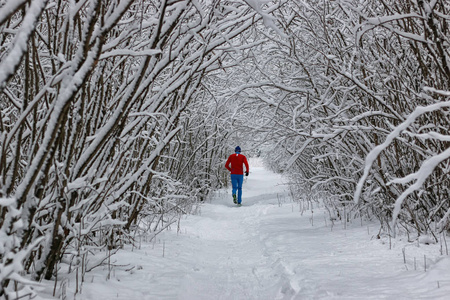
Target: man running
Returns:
[237, 160]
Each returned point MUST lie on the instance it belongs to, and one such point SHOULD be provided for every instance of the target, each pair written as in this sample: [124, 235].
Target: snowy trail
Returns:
[267, 250]
[232, 262]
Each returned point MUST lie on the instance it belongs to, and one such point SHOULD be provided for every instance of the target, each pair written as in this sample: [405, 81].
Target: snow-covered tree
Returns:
[350, 76]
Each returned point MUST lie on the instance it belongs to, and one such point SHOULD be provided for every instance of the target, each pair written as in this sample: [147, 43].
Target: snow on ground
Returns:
[267, 249]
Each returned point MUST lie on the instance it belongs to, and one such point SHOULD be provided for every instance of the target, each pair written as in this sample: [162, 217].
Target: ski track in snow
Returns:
[267, 249]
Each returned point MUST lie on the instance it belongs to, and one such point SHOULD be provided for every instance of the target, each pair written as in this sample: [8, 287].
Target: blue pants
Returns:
[236, 182]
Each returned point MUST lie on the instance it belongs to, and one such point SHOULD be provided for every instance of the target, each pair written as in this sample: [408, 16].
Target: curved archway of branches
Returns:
[108, 127]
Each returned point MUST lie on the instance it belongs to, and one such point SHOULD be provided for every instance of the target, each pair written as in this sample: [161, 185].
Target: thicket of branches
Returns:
[105, 121]
[349, 77]
[115, 115]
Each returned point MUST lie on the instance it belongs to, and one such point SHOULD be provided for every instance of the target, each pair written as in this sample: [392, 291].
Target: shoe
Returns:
[234, 199]
[239, 204]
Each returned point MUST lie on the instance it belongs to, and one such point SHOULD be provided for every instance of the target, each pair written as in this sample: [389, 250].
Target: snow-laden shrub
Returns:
[12, 255]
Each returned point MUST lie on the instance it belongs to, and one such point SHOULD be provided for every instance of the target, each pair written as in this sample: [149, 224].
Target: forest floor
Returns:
[266, 249]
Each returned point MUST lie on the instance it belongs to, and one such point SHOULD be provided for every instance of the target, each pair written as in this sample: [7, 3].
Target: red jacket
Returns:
[237, 162]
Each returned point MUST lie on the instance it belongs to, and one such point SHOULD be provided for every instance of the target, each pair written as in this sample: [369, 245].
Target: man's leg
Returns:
[235, 184]
[240, 180]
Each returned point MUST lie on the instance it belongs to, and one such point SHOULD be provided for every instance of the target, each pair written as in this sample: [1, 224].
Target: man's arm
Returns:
[227, 164]
[246, 166]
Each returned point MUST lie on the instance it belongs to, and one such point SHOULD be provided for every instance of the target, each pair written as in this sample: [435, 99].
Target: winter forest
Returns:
[116, 117]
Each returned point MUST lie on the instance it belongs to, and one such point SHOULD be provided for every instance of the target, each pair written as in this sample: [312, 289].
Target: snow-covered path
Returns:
[267, 250]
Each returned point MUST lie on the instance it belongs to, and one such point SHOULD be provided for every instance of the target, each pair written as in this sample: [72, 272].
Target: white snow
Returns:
[425, 170]
[7, 201]
[266, 249]
[127, 52]
[19, 45]
[268, 20]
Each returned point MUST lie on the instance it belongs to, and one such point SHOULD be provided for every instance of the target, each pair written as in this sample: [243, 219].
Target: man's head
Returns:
[237, 149]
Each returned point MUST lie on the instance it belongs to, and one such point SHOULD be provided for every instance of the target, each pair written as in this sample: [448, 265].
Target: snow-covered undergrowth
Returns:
[265, 249]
